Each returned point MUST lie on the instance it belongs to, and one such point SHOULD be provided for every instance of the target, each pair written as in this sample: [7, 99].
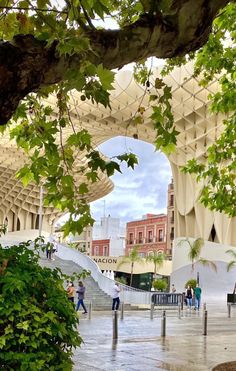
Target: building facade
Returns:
[101, 247]
[108, 237]
[149, 234]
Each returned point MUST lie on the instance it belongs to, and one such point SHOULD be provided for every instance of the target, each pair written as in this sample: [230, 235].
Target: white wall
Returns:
[117, 246]
[215, 285]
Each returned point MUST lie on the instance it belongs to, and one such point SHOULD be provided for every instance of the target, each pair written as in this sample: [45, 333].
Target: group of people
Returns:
[193, 294]
[81, 293]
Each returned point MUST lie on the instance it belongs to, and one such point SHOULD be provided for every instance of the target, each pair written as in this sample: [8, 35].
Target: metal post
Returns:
[163, 324]
[182, 301]
[179, 310]
[122, 311]
[151, 310]
[204, 307]
[229, 310]
[205, 323]
[40, 210]
[115, 324]
[90, 310]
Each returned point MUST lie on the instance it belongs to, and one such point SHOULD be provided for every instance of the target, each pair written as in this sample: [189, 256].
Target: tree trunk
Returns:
[131, 274]
[26, 64]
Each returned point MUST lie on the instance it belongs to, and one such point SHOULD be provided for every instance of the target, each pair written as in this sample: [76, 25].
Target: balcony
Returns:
[131, 242]
[150, 240]
[140, 241]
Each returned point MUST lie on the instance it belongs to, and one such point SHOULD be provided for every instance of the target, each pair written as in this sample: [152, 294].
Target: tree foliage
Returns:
[38, 324]
[232, 262]
[133, 258]
[160, 284]
[194, 253]
[157, 259]
[51, 47]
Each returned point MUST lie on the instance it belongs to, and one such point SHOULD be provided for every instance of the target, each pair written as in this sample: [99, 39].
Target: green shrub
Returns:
[160, 284]
[121, 280]
[192, 282]
[38, 324]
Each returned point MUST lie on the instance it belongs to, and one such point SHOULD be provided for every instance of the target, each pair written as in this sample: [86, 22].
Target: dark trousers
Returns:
[115, 303]
[72, 299]
[81, 301]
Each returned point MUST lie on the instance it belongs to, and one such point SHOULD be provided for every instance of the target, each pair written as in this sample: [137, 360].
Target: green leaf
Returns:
[106, 77]
[83, 188]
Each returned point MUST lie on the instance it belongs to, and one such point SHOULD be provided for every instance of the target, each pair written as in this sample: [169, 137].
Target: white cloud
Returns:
[139, 191]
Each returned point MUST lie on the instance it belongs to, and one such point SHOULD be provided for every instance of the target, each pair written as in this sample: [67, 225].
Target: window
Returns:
[172, 233]
[172, 217]
[142, 254]
[105, 250]
[140, 237]
[171, 200]
[150, 236]
[131, 238]
[160, 235]
[96, 250]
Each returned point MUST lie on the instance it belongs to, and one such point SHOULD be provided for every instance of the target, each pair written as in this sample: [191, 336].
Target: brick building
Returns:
[154, 232]
[149, 234]
[101, 247]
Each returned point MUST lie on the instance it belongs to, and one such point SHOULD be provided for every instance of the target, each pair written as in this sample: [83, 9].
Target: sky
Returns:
[139, 191]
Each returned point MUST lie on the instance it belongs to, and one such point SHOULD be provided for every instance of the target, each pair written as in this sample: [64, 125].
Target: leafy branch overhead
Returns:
[52, 49]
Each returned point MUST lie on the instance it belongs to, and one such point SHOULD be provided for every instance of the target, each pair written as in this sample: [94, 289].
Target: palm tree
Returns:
[133, 258]
[157, 259]
[195, 249]
[232, 262]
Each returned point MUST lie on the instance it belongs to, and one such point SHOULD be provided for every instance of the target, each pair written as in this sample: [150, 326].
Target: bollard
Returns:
[90, 310]
[229, 310]
[182, 301]
[204, 307]
[163, 324]
[151, 310]
[115, 324]
[122, 311]
[205, 323]
[179, 310]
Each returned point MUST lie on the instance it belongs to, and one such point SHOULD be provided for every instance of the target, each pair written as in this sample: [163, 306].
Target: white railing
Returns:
[129, 295]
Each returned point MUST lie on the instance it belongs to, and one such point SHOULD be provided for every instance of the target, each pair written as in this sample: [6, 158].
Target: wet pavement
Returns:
[140, 345]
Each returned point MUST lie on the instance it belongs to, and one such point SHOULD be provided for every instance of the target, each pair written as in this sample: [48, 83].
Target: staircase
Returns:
[100, 300]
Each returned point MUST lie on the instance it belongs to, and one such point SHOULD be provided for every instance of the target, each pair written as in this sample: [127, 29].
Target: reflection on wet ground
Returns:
[140, 346]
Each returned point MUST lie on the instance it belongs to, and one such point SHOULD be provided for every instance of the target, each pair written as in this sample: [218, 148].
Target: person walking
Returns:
[71, 292]
[197, 297]
[173, 289]
[81, 292]
[189, 296]
[116, 296]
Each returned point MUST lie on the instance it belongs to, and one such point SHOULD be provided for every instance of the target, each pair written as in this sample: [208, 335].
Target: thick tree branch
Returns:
[26, 64]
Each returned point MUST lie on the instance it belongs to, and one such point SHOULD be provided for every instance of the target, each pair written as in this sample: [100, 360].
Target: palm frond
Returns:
[182, 242]
[132, 258]
[124, 260]
[195, 249]
[156, 258]
[230, 265]
[209, 263]
[232, 253]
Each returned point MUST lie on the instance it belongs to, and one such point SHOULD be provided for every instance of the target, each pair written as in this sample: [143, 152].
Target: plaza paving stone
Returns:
[141, 347]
